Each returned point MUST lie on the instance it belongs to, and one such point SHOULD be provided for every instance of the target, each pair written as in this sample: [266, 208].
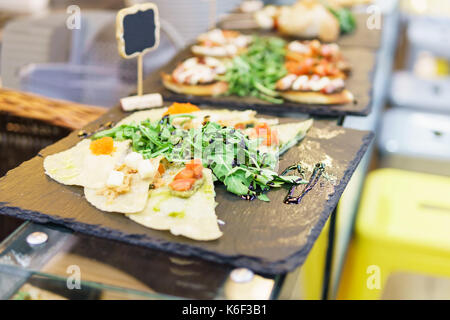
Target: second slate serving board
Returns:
[366, 35]
[359, 83]
[269, 238]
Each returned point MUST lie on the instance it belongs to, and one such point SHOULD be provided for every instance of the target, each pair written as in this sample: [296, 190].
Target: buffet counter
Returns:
[54, 258]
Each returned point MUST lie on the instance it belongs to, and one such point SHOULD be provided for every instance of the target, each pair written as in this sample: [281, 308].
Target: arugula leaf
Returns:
[256, 72]
[237, 182]
[347, 22]
[263, 197]
[231, 155]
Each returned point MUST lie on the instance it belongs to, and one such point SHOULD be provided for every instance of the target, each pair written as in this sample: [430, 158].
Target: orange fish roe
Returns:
[104, 145]
[177, 108]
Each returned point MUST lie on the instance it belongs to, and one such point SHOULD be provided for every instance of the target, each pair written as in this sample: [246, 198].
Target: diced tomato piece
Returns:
[304, 66]
[184, 174]
[194, 163]
[273, 139]
[198, 172]
[293, 67]
[240, 126]
[193, 169]
[263, 131]
[182, 184]
[196, 166]
[262, 127]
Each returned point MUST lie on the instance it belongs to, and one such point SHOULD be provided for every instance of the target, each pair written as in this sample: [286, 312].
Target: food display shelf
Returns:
[113, 269]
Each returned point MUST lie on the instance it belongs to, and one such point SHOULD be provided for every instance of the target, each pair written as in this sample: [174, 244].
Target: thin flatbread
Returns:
[96, 169]
[78, 166]
[310, 97]
[131, 202]
[224, 116]
[66, 166]
[136, 117]
[192, 217]
[212, 89]
[288, 131]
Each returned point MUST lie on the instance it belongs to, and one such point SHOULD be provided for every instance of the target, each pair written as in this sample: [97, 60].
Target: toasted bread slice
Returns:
[212, 89]
[310, 97]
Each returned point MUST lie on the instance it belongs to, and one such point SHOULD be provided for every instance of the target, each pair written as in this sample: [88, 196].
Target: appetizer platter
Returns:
[128, 177]
[228, 68]
[329, 21]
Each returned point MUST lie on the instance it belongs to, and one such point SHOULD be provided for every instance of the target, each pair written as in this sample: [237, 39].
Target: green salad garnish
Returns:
[347, 22]
[256, 72]
[228, 152]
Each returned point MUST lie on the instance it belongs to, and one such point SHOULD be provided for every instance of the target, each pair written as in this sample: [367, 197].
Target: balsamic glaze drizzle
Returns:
[315, 176]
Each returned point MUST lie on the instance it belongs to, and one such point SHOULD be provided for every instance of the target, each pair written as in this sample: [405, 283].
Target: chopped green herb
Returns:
[256, 72]
[229, 153]
[347, 22]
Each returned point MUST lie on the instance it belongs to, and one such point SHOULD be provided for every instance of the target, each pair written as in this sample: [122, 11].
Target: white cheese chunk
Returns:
[132, 160]
[115, 179]
[146, 169]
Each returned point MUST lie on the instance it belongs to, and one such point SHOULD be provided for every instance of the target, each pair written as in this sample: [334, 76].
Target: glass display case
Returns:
[76, 266]
[49, 261]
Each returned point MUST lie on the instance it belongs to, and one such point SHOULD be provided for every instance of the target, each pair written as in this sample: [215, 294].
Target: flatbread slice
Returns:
[310, 97]
[213, 89]
[289, 131]
[96, 168]
[136, 117]
[192, 217]
[66, 166]
[78, 166]
[130, 202]
[223, 116]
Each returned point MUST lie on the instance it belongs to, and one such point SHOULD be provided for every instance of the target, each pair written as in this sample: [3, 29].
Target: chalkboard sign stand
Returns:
[137, 32]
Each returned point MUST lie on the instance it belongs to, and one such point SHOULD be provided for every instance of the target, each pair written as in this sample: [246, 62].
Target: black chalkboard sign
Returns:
[137, 29]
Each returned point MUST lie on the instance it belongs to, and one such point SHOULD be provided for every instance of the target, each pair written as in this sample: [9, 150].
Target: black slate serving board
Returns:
[269, 238]
[362, 37]
[359, 83]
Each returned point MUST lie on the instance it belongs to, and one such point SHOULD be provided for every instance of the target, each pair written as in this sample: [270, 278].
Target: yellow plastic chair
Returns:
[403, 225]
